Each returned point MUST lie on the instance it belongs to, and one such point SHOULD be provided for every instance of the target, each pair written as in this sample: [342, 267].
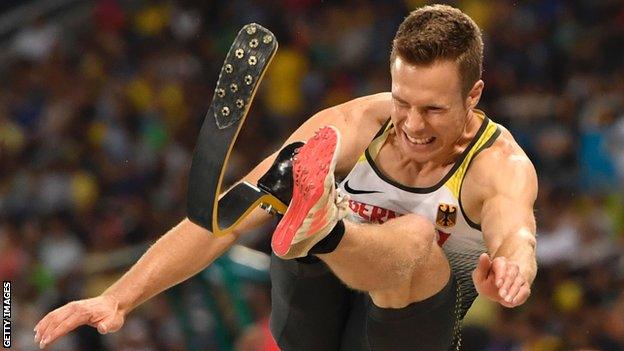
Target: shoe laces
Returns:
[342, 203]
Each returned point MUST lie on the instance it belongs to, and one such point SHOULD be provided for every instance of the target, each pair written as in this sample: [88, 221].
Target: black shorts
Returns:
[313, 310]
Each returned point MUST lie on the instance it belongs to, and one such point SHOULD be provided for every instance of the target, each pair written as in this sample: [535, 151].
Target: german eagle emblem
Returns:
[447, 215]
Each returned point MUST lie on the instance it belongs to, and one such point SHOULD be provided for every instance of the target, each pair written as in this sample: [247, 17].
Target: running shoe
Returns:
[316, 204]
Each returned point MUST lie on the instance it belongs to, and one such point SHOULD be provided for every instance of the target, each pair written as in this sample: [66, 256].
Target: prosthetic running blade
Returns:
[243, 69]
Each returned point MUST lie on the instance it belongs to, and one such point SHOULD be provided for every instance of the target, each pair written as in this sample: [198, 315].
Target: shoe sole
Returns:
[311, 166]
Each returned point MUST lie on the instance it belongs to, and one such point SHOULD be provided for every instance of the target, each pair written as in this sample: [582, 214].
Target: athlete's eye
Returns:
[400, 104]
[435, 110]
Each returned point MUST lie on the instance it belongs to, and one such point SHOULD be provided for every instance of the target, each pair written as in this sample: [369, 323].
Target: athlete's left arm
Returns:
[508, 226]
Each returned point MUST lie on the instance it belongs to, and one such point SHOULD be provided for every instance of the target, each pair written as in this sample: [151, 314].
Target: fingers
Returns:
[483, 268]
[70, 323]
[102, 328]
[114, 324]
[523, 295]
[50, 322]
[501, 280]
[484, 263]
[101, 313]
[109, 325]
[511, 273]
[514, 289]
[499, 266]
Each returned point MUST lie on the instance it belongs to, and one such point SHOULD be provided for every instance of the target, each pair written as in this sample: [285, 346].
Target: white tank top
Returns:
[375, 198]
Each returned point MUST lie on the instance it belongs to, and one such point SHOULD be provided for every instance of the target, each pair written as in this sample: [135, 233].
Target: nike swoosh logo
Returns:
[355, 191]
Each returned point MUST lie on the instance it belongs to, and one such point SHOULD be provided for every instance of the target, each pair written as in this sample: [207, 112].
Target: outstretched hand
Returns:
[500, 280]
[100, 312]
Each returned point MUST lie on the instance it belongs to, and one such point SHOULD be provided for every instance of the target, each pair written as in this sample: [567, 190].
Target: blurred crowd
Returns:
[98, 121]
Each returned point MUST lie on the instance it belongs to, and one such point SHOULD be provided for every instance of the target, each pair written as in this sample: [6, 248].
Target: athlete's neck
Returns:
[471, 127]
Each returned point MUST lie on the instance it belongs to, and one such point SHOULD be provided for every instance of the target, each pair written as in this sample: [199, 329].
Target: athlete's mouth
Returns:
[420, 141]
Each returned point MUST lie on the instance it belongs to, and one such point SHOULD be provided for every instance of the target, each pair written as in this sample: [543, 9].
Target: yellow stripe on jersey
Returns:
[375, 145]
[454, 183]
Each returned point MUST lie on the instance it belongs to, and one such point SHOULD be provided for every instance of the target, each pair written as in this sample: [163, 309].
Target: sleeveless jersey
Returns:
[376, 198]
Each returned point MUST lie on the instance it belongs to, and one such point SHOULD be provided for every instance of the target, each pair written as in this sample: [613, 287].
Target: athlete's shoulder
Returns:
[504, 163]
[373, 108]
[504, 148]
[358, 121]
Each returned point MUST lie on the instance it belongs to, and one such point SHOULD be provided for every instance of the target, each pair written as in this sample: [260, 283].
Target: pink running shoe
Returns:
[316, 204]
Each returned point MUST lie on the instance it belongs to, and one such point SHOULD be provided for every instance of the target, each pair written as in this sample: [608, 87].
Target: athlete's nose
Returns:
[414, 122]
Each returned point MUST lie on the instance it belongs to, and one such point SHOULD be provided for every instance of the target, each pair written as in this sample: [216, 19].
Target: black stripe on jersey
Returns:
[431, 189]
[485, 146]
[383, 128]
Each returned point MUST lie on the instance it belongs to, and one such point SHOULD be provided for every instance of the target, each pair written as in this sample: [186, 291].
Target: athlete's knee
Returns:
[417, 237]
[417, 231]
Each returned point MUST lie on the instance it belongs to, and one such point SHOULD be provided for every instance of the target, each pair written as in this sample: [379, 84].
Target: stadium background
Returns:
[101, 101]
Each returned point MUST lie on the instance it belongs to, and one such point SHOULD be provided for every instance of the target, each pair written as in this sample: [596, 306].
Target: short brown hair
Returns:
[441, 32]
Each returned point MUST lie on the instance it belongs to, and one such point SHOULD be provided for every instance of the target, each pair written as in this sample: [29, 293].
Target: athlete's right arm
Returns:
[357, 121]
[179, 254]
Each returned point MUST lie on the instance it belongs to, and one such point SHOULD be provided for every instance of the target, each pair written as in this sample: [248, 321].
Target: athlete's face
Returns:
[428, 109]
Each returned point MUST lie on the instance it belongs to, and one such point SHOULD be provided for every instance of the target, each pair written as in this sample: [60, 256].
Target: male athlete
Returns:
[434, 204]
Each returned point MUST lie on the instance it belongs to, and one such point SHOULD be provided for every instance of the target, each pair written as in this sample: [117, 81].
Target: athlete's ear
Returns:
[474, 95]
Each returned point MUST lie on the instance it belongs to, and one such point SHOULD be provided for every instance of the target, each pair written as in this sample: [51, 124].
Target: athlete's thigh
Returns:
[309, 306]
[354, 334]
[427, 325]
